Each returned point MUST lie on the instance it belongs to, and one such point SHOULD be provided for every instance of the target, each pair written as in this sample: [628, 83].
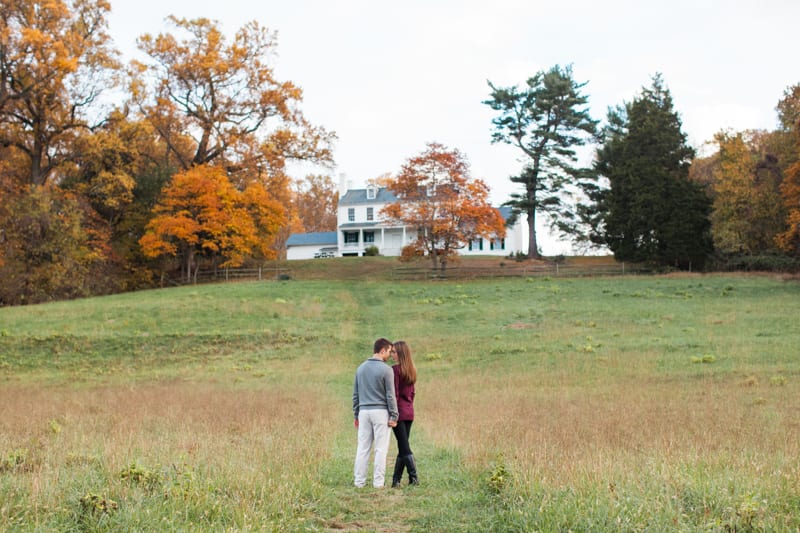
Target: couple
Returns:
[383, 398]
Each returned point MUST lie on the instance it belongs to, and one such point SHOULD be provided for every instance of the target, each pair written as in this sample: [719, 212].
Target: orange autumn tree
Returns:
[315, 201]
[789, 240]
[789, 116]
[447, 207]
[216, 100]
[202, 214]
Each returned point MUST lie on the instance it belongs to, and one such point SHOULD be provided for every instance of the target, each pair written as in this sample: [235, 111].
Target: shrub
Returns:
[371, 251]
[499, 477]
[410, 253]
[94, 504]
[755, 263]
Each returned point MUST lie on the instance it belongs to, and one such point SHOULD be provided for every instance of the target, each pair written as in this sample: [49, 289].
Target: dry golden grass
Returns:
[565, 435]
[245, 440]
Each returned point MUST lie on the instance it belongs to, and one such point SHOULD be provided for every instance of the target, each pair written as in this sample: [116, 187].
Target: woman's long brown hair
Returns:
[407, 369]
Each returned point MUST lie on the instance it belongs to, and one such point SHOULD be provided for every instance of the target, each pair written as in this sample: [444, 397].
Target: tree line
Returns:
[112, 173]
[647, 196]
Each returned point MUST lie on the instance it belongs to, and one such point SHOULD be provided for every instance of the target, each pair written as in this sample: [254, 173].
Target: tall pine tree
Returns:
[651, 211]
[547, 120]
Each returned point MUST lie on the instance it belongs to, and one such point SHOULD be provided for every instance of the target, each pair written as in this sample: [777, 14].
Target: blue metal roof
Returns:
[308, 239]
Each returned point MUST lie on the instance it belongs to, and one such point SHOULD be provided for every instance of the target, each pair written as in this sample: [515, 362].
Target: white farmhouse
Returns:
[361, 225]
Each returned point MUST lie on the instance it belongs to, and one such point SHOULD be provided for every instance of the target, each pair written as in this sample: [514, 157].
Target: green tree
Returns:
[650, 210]
[547, 120]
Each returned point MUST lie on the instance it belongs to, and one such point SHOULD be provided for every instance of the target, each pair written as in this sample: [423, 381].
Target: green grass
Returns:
[553, 404]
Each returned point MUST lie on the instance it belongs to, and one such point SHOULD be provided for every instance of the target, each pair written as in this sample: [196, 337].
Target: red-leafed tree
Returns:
[447, 207]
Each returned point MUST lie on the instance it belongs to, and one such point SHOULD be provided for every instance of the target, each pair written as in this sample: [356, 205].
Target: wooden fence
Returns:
[517, 270]
[235, 274]
[416, 272]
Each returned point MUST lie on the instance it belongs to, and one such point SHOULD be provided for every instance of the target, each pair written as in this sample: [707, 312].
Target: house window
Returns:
[497, 244]
[369, 213]
[476, 244]
[371, 192]
[369, 237]
[351, 237]
[351, 214]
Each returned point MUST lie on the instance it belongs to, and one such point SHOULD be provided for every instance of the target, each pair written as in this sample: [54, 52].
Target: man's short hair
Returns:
[381, 344]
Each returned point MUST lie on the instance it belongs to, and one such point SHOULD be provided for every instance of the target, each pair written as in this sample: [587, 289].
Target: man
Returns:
[375, 411]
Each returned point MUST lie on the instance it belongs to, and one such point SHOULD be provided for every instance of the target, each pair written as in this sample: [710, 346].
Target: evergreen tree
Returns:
[547, 120]
[651, 211]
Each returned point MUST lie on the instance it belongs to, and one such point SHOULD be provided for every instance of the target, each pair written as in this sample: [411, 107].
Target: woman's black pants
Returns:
[402, 432]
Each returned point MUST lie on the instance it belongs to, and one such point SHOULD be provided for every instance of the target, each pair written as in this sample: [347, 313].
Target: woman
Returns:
[405, 375]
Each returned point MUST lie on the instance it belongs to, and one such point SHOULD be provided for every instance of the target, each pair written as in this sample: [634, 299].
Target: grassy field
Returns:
[594, 404]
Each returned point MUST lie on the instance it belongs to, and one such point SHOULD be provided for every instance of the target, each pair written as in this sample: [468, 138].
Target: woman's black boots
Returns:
[397, 477]
[412, 470]
[405, 461]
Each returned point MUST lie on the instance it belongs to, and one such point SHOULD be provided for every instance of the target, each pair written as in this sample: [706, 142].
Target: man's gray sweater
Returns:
[374, 388]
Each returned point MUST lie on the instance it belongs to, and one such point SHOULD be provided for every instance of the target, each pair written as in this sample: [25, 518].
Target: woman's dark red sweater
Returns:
[405, 395]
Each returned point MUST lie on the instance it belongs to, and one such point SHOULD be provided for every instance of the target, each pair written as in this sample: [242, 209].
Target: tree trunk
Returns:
[189, 263]
[533, 246]
[38, 174]
[434, 258]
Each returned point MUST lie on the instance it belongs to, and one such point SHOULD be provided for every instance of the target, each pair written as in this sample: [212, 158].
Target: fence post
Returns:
[259, 273]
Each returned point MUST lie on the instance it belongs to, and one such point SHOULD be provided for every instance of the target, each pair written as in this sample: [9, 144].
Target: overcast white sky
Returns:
[388, 77]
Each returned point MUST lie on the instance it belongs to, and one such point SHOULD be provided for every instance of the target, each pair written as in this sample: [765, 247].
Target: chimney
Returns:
[343, 184]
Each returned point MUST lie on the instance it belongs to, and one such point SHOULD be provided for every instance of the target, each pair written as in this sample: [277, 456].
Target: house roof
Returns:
[384, 195]
[359, 196]
[309, 239]
[350, 225]
[505, 212]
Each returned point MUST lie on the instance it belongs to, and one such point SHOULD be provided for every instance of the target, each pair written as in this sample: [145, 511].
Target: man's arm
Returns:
[355, 400]
[391, 398]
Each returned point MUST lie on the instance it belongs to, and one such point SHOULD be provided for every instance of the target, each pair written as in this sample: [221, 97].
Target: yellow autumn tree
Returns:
[55, 61]
[747, 211]
[212, 100]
